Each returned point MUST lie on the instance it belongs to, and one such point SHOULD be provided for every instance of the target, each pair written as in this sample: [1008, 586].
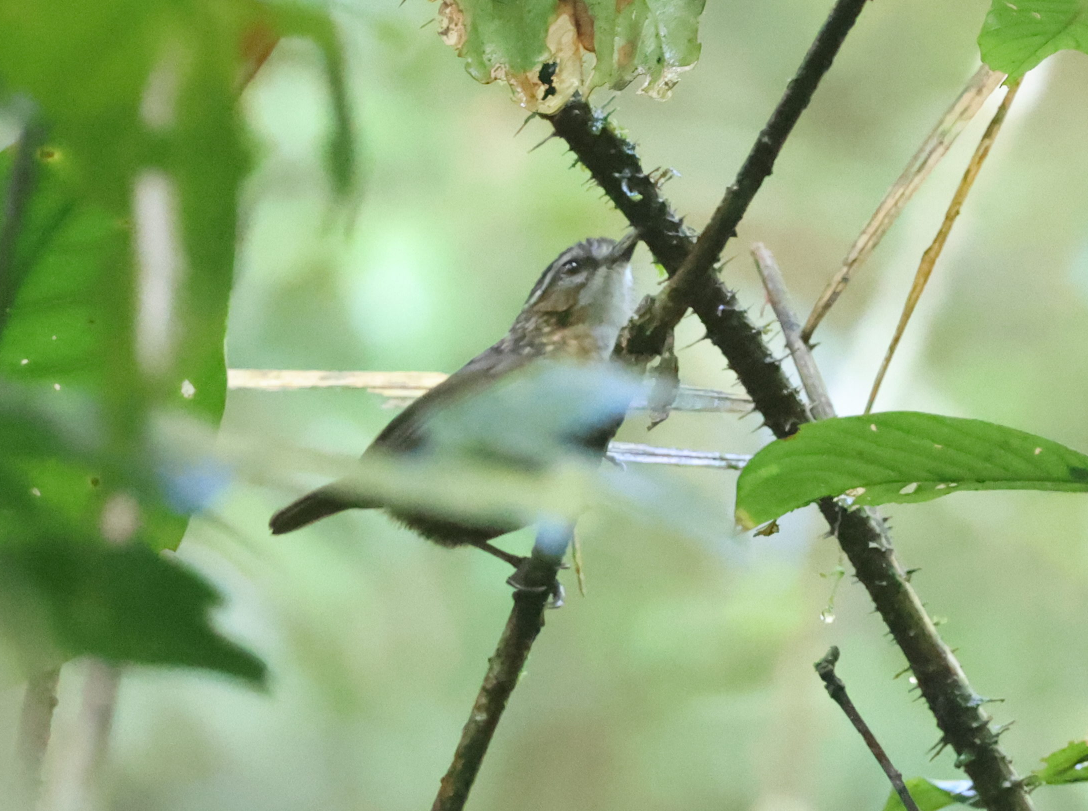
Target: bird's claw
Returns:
[522, 581]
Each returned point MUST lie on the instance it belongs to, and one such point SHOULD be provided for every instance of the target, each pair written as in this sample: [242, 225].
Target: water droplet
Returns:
[912, 680]
[910, 488]
[34, 491]
[187, 389]
[827, 616]
[24, 361]
[56, 386]
[54, 337]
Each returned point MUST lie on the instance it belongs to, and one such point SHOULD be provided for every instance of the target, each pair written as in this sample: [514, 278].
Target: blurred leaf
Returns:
[121, 604]
[929, 795]
[1068, 765]
[1016, 37]
[68, 331]
[900, 457]
[535, 415]
[547, 50]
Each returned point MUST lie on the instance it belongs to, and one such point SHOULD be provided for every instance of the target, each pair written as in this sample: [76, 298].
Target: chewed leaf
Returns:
[900, 457]
[547, 50]
[1018, 36]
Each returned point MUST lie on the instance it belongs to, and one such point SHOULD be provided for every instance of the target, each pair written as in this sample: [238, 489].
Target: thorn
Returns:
[550, 136]
[525, 123]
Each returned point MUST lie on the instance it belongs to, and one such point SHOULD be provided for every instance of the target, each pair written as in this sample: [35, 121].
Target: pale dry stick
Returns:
[638, 453]
[399, 387]
[825, 668]
[933, 252]
[819, 401]
[929, 154]
[402, 386]
[35, 723]
[71, 790]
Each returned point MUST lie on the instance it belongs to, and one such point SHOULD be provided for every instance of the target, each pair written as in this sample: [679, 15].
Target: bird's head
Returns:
[588, 285]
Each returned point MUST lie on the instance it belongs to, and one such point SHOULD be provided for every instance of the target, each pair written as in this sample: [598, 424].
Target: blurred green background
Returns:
[684, 678]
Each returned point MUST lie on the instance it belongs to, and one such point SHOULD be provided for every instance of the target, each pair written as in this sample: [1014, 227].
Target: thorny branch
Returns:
[965, 726]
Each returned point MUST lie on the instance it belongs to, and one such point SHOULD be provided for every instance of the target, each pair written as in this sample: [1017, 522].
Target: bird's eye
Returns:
[570, 266]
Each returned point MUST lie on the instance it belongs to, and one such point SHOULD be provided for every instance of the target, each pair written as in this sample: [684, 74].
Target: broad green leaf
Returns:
[930, 795]
[547, 50]
[900, 457]
[1018, 36]
[70, 331]
[1068, 765]
[121, 604]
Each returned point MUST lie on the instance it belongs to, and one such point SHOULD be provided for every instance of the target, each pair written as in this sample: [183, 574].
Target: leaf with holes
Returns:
[1018, 36]
[547, 50]
[900, 457]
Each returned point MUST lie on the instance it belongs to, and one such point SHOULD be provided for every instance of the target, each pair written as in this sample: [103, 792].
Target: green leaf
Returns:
[900, 457]
[69, 332]
[1018, 36]
[1068, 765]
[930, 795]
[121, 604]
[547, 50]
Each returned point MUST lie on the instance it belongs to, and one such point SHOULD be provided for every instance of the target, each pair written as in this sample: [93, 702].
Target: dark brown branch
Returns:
[35, 722]
[759, 164]
[837, 690]
[537, 585]
[614, 164]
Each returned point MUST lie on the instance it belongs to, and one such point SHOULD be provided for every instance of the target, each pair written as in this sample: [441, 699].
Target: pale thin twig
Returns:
[837, 690]
[638, 453]
[400, 386]
[933, 252]
[980, 87]
[819, 401]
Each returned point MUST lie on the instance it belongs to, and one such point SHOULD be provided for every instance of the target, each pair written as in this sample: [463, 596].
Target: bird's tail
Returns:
[311, 507]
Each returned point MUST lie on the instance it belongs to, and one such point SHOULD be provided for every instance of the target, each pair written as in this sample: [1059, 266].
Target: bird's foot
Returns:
[526, 579]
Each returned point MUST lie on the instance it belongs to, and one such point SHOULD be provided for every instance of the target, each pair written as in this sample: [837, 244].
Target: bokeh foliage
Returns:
[121, 201]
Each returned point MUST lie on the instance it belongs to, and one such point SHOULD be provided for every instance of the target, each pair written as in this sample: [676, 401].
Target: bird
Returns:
[574, 313]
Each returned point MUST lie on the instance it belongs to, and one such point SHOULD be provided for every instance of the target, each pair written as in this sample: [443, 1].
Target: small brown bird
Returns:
[575, 312]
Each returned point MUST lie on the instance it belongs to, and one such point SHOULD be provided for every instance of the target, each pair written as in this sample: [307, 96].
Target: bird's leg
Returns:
[514, 560]
[519, 581]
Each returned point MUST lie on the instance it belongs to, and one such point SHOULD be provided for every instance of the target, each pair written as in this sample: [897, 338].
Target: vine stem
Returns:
[537, 585]
[614, 164]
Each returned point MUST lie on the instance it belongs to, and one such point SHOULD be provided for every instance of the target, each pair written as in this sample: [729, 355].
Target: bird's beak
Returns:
[625, 247]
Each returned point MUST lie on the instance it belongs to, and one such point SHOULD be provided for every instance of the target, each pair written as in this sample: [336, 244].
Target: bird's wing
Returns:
[407, 431]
